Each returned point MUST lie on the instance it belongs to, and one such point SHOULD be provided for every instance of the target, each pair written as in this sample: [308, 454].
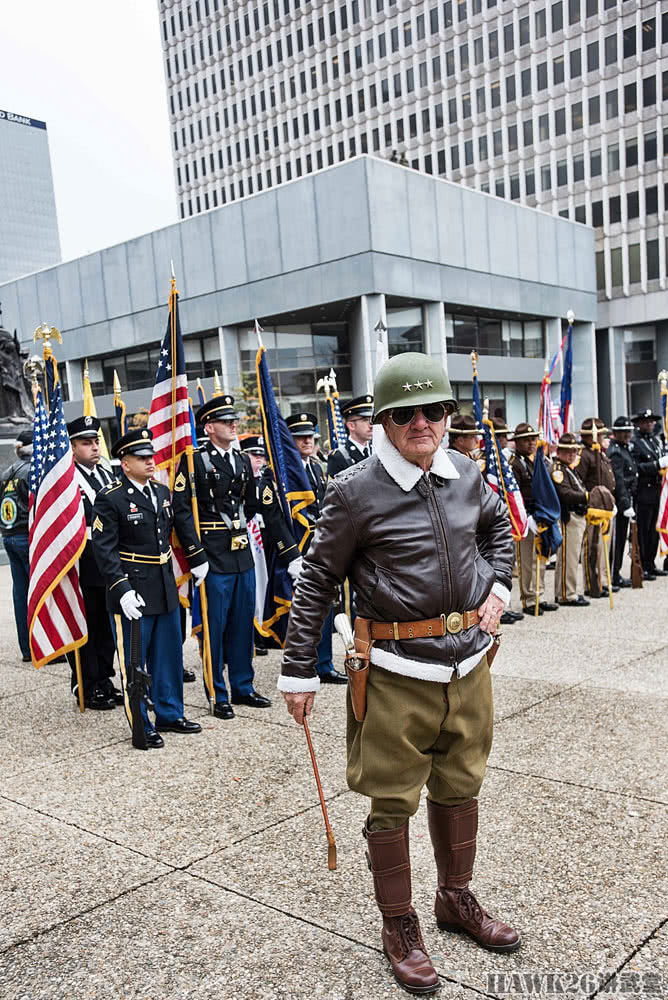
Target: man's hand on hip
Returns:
[299, 704]
[490, 612]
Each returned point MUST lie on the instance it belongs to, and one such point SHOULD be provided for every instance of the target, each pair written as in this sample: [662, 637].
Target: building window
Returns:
[611, 104]
[560, 121]
[597, 213]
[613, 158]
[615, 209]
[616, 267]
[630, 99]
[498, 143]
[557, 70]
[508, 42]
[525, 31]
[648, 35]
[629, 41]
[543, 128]
[592, 57]
[510, 89]
[404, 330]
[526, 82]
[650, 146]
[578, 168]
[652, 259]
[652, 200]
[610, 49]
[595, 163]
[545, 177]
[577, 116]
[557, 16]
[530, 182]
[540, 23]
[632, 205]
[631, 156]
[576, 63]
[600, 271]
[541, 74]
[527, 132]
[482, 147]
[562, 173]
[594, 107]
[649, 91]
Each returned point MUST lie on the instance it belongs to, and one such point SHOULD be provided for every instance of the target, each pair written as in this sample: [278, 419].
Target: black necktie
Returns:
[148, 493]
[228, 461]
[365, 451]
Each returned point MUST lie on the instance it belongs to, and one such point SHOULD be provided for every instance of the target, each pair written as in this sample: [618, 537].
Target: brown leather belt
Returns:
[444, 625]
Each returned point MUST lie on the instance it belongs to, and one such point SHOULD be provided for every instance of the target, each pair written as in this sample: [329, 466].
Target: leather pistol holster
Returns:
[357, 667]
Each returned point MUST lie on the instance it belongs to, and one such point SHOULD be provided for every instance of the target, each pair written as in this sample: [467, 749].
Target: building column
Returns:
[74, 371]
[585, 385]
[369, 311]
[230, 358]
[616, 374]
[433, 324]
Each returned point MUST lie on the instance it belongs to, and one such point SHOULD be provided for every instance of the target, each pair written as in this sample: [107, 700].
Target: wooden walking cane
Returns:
[331, 843]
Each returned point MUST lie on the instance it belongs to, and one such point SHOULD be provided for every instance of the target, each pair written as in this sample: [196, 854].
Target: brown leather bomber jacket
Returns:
[413, 546]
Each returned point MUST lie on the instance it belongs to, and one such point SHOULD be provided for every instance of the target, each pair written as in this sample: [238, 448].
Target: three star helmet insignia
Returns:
[408, 386]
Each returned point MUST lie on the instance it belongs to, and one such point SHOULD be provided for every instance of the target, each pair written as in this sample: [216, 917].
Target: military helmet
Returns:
[411, 379]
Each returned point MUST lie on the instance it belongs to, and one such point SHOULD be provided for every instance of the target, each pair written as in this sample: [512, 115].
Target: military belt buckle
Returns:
[454, 622]
[239, 541]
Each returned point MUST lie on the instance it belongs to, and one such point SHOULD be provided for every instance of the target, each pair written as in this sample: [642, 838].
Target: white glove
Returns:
[131, 604]
[533, 527]
[199, 572]
[629, 512]
[294, 569]
[663, 462]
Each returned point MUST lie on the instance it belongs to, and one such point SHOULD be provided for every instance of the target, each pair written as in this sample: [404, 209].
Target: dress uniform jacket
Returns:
[523, 471]
[626, 474]
[318, 483]
[131, 543]
[90, 484]
[226, 499]
[276, 534]
[345, 456]
[587, 470]
[646, 450]
[570, 490]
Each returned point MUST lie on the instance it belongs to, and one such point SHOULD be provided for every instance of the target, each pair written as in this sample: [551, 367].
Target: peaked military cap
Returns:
[622, 424]
[302, 424]
[360, 406]
[567, 442]
[463, 423]
[83, 427]
[587, 424]
[253, 444]
[645, 415]
[524, 430]
[218, 408]
[138, 441]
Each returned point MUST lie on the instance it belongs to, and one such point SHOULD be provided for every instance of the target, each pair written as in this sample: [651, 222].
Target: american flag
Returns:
[170, 424]
[57, 533]
[499, 474]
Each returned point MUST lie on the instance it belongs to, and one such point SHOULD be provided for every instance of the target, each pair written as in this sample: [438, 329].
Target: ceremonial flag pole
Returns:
[89, 409]
[201, 393]
[119, 407]
[57, 529]
[169, 420]
[566, 400]
[662, 520]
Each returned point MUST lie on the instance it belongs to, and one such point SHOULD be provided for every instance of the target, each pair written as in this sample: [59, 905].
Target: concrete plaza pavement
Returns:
[201, 870]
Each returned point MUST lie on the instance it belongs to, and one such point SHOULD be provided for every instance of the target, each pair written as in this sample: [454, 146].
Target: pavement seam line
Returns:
[575, 784]
[631, 956]
[317, 926]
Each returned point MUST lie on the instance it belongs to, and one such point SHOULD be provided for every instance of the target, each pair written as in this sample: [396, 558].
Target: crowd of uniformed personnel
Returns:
[126, 568]
[605, 481]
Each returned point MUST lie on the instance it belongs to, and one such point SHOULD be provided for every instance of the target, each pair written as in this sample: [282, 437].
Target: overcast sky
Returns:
[92, 69]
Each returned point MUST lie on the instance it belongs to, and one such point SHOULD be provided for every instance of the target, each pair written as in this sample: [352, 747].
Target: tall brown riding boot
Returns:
[390, 866]
[453, 832]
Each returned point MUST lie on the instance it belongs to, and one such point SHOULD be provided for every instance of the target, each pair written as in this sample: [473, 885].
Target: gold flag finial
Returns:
[662, 378]
[46, 334]
[85, 368]
[474, 362]
[117, 384]
[217, 389]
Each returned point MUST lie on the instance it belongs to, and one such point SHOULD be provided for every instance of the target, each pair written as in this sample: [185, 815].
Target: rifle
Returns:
[138, 683]
[636, 561]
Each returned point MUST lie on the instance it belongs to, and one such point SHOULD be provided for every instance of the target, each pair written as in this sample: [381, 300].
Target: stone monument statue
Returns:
[16, 407]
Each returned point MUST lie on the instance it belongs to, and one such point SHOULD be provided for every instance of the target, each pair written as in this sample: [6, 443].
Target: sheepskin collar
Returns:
[404, 473]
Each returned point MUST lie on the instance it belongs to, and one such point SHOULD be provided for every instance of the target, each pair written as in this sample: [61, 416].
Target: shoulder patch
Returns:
[267, 495]
[97, 524]
[557, 475]
[180, 483]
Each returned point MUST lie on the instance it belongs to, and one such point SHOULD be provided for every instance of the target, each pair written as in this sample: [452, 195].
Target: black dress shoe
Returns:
[333, 677]
[648, 576]
[223, 710]
[27, 659]
[188, 676]
[620, 582]
[97, 700]
[517, 615]
[660, 572]
[579, 602]
[252, 700]
[178, 726]
[112, 692]
[260, 651]
[547, 606]
[602, 593]
[154, 740]
[507, 618]
[530, 610]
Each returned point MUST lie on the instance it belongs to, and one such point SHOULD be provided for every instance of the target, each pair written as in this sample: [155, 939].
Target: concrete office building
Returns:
[28, 225]
[327, 264]
[552, 104]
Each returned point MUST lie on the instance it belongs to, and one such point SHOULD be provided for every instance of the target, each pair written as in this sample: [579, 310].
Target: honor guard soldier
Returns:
[227, 500]
[626, 487]
[594, 469]
[302, 427]
[573, 499]
[97, 656]
[132, 522]
[526, 441]
[357, 418]
[650, 458]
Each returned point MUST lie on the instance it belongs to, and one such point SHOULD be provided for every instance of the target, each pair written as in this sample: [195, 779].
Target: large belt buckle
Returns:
[454, 622]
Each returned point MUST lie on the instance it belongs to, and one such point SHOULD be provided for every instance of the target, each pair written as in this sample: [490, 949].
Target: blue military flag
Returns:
[566, 402]
[547, 512]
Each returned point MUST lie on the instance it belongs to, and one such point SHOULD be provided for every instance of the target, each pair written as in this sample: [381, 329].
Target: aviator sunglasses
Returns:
[432, 413]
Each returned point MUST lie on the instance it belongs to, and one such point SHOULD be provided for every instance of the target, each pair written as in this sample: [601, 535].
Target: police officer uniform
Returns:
[131, 530]
[303, 425]
[626, 487]
[227, 500]
[650, 457]
[573, 499]
[97, 655]
[594, 469]
[522, 466]
[351, 452]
